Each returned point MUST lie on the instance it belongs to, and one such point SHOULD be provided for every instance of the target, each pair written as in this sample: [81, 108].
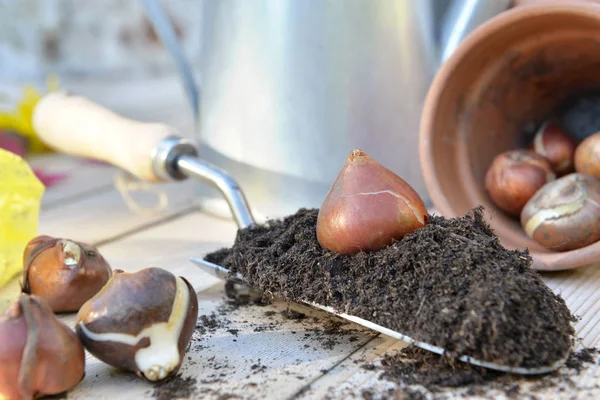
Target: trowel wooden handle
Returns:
[77, 126]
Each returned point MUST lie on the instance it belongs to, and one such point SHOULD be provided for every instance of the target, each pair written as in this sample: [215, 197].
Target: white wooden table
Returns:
[258, 354]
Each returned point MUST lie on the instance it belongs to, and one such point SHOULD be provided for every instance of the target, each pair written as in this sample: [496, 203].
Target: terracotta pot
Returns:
[512, 72]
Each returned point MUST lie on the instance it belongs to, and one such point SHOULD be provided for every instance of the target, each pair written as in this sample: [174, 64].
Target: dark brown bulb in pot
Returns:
[587, 156]
[39, 355]
[564, 214]
[140, 322]
[553, 143]
[63, 272]
[514, 177]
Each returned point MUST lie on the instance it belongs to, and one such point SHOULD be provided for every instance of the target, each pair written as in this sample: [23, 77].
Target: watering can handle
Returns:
[166, 32]
[462, 17]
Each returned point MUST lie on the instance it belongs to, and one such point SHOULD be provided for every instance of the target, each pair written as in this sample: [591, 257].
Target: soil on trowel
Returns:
[451, 284]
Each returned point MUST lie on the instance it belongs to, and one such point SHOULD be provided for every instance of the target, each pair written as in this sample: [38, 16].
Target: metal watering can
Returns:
[289, 87]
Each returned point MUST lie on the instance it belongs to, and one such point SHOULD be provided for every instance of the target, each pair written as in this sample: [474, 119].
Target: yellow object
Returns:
[20, 201]
[19, 121]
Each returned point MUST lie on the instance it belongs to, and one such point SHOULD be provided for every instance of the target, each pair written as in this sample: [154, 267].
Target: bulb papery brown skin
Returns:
[32, 244]
[140, 322]
[554, 144]
[367, 208]
[564, 214]
[39, 354]
[514, 177]
[63, 272]
[587, 156]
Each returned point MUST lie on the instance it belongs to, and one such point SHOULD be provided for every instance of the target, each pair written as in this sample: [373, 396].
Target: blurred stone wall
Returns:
[95, 38]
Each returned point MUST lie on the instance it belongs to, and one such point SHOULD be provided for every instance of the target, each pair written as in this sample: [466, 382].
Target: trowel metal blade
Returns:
[223, 273]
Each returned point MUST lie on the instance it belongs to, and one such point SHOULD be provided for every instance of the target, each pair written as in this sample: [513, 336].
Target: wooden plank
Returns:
[345, 377]
[236, 361]
[89, 179]
[339, 374]
[271, 357]
[580, 289]
[255, 353]
[98, 216]
[83, 177]
[170, 245]
[105, 215]
[167, 246]
[349, 381]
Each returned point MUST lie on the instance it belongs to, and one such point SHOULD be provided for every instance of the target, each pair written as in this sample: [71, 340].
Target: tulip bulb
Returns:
[367, 208]
[564, 214]
[140, 322]
[514, 177]
[39, 355]
[63, 272]
[552, 143]
[587, 156]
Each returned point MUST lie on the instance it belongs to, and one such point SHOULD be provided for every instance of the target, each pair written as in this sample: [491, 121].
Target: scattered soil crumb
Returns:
[211, 381]
[434, 373]
[175, 387]
[413, 395]
[288, 313]
[217, 395]
[413, 365]
[329, 333]
[406, 394]
[271, 326]
[333, 326]
[207, 323]
[58, 396]
[240, 295]
[228, 396]
[329, 343]
[450, 283]
[199, 347]
[210, 323]
[578, 360]
[258, 367]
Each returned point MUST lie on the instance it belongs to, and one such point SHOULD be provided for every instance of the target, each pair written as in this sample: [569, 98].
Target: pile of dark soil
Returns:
[450, 283]
[415, 366]
[175, 387]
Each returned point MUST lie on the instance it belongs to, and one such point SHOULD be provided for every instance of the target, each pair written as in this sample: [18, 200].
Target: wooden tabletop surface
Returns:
[253, 352]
